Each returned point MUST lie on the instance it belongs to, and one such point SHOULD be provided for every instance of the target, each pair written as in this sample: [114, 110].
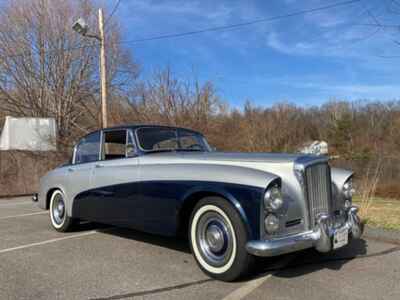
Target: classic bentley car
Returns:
[232, 206]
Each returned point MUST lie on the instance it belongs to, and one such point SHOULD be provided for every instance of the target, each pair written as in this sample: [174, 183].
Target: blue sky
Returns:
[305, 60]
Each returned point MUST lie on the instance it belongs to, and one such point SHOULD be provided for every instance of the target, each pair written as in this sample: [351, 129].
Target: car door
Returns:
[115, 180]
[159, 195]
[86, 154]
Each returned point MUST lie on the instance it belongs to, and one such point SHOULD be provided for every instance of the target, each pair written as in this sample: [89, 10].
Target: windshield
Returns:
[158, 139]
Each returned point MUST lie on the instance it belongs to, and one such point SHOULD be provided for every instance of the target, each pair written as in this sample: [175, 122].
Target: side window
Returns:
[114, 144]
[88, 149]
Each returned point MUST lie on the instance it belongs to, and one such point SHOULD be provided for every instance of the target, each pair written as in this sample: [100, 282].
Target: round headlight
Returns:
[273, 199]
[348, 189]
[271, 223]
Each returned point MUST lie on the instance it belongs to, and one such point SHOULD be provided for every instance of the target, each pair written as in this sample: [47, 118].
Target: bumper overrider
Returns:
[321, 238]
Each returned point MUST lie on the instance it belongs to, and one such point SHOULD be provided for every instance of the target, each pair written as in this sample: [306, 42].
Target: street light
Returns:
[81, 27]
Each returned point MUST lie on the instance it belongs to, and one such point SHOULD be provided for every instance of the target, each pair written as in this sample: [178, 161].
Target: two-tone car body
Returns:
[233, 206]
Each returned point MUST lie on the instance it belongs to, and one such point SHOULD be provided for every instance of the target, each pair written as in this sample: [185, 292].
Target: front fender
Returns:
[247, 200]
[340, 176]
[53, 180]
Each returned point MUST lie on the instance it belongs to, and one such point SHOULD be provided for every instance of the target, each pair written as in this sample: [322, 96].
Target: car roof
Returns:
[136, 126]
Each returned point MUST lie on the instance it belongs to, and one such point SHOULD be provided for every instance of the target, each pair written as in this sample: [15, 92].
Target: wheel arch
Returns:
[50, 193]
[193, 197]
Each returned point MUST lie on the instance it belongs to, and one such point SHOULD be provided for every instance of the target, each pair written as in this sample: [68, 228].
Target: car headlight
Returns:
[273, 199]
[348, 189]
[271, 223]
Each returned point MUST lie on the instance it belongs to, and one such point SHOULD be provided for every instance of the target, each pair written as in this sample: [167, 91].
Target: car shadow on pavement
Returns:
[309, 261]
[289, 265]
[174, 243]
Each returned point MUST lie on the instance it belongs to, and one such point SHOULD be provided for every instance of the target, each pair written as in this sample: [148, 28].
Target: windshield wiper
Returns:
[159, 150]
[187, 149]
[174, 150]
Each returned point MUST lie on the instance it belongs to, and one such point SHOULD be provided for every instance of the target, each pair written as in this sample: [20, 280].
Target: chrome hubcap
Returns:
[58, 209]
[214, 237]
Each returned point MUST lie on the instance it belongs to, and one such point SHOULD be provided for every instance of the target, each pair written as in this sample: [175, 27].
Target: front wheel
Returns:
[218, 238]
[58, 213]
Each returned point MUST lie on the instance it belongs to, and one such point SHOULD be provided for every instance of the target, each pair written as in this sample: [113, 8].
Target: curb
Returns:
[383, 235]
[2, 197]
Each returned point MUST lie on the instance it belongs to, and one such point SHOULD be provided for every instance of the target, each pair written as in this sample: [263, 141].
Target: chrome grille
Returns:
[318, 190]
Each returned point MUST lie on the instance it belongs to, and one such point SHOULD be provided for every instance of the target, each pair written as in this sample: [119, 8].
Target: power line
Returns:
[243, 24]
[210, 29]
[112, 12]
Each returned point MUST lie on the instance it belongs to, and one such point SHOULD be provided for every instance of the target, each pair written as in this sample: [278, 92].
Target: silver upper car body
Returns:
[155, 190]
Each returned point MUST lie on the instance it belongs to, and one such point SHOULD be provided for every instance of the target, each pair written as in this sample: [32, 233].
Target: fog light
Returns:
[271, 223]
[347, 204]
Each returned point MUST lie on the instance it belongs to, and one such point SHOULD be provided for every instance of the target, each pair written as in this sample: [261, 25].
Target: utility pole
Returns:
[103, 74]
[81, 27]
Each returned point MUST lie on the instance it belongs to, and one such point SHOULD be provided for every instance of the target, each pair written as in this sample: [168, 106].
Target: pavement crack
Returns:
[156, 291]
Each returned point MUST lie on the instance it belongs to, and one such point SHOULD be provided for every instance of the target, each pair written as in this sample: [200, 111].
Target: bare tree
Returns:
[47, 70]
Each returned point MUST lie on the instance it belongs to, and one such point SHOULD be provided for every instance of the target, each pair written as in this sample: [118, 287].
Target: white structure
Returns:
[316, 147]
[31, 134]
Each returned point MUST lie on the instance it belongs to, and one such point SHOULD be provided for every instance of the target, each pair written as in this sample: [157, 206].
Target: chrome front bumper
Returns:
[321, 238]
[35, 197]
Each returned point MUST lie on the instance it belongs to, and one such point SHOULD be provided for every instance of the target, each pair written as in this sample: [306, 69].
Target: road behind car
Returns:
[101, 262]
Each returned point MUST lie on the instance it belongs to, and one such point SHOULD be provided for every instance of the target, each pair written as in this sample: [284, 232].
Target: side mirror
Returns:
[130, 150]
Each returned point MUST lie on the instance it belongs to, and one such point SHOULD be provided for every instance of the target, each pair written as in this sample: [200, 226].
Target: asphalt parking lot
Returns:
[100, 262]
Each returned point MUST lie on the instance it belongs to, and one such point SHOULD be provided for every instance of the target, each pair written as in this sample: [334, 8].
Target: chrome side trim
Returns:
[320, 238]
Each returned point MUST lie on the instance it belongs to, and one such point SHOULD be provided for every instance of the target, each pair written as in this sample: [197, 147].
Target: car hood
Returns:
[247, 157]
[234, 157]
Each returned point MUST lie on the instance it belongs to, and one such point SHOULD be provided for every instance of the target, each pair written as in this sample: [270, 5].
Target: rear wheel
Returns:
[218, 238]
[58, 213]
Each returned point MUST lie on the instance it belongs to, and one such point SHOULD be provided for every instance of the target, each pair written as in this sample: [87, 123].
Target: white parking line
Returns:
[247, 288]
[48, 241]
[15, 203]
[24, 215]
[250, 286]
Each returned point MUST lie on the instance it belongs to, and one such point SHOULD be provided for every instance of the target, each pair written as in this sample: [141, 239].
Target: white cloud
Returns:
[330, 37]
[273, 41]
[352, 91]
[359, 91]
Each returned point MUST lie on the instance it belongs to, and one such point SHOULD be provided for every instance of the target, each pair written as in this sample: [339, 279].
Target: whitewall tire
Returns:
[58, 212]
[218, 237]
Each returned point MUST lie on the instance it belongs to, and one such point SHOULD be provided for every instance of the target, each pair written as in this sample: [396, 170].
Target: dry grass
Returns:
[367, 187]
[375, 211]
[383, 213]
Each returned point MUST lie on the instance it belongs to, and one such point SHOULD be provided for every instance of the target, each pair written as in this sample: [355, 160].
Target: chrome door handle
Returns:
[98, 166]
[70, 169]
